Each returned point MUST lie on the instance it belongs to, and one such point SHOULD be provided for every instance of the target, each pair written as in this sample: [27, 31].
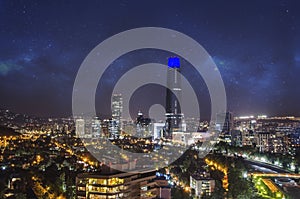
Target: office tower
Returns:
[96, 128]
[143, 126]
[227, 118]
[158, 129]
[113, 128]
[226, 127]
[173, 111]
[116, 109]
[80, 124]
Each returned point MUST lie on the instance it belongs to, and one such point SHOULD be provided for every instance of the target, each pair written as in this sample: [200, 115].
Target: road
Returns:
[267, 166]
[273, 171]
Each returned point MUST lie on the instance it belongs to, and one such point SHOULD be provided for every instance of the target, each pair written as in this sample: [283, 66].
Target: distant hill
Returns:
[5, 131]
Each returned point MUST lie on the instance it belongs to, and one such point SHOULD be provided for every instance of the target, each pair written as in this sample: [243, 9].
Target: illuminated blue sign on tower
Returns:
[174, 62]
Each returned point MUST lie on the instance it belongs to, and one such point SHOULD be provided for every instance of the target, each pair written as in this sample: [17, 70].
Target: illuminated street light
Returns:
[245, 174]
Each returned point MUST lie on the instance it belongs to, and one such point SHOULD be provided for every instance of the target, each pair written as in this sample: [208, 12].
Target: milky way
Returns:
[255, 44]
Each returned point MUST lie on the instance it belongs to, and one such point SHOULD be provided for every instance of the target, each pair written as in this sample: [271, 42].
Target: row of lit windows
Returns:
[111, 181]
[106, 189]
[95, 196]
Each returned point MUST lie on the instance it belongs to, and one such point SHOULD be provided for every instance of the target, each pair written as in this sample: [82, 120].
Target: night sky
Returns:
[255, 44]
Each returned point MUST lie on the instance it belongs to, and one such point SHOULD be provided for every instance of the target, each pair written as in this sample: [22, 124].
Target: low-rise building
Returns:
[203, 185]
[117, 184]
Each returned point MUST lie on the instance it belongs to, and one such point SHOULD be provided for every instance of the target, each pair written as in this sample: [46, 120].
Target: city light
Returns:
[245, 175]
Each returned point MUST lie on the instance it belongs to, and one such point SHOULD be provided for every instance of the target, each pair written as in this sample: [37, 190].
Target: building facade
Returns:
[140, 185]
[116, 112]
[203, 185]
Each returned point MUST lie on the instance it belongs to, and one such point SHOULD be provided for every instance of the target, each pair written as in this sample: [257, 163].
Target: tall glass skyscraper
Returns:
[116, 108]
[173, 110]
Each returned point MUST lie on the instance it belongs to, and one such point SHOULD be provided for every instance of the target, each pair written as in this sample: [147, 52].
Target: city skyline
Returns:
[261, 153]
[149, 99]
[254, 45]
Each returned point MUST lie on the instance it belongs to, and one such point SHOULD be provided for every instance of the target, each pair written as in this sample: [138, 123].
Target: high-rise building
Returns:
[143, 126]
[263, 141]
[116, 109]
[80, 125]
[226, 127]
[276, 143]
[158, 129]
[96, 128]
[294, 142]
[173, 97]
[236, 138]
[227, 118]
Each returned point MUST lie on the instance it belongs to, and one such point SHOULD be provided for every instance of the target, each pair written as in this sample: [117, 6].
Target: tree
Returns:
[240, 187]
[219, 191]
[21, 196]
[178, 193]
[217, 175]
